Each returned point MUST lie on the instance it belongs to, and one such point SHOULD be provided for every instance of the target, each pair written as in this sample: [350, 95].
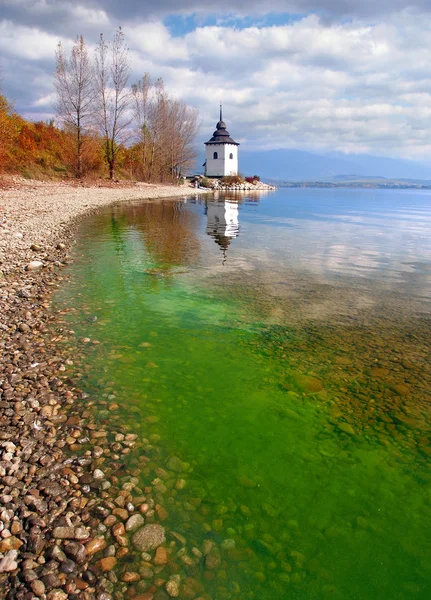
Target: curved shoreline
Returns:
[51, 525]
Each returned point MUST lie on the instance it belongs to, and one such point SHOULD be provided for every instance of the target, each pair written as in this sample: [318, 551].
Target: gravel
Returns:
[52, 513]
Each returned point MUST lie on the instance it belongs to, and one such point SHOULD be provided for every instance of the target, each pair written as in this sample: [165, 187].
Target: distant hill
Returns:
[297, 165]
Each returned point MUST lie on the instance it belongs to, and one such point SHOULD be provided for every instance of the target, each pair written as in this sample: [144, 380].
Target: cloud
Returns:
[347, 85]
[145, 9]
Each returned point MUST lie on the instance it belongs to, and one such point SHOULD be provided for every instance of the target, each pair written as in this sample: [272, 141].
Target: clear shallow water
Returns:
[279, 346]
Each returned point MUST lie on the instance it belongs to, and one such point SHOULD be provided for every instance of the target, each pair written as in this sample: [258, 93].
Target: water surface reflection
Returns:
[292, 379]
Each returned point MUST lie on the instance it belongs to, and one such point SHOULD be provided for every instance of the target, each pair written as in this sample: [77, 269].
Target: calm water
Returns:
[279, 346]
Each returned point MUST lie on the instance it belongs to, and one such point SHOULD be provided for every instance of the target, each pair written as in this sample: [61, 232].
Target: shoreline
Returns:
[56, 507]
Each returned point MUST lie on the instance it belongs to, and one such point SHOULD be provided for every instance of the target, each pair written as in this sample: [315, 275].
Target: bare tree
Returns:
[141, 96]
[112, 75]
[75, 94]
[157, 125]
[184, 125]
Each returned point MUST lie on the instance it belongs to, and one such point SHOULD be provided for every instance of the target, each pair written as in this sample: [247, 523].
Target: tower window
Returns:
[215, 155]
[231, 155]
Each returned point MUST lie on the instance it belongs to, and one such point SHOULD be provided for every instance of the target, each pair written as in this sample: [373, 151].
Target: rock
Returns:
[76, 552]
[161, 557]
[8, 563]
[343, 360]
[98, 474]
[10, 543]
[37, 587]
[56, 595]
[346, 427]
[51, 580]
[172, 588]
[81, 533]
[68, 566]
[213, 559]
[306, 383]
[176, 464]
[401, 389]
[63, 533]
[134, 522]
[246, 482]
[130, 577]
[162, 513]
[118, 530]
[95, 546]
[379, 372]
[107, 563]
[228, 544]
[121, 512]
[34, 265]
[149, 537]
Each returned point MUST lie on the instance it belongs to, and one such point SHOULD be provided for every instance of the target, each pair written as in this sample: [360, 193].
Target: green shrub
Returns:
[206, 183]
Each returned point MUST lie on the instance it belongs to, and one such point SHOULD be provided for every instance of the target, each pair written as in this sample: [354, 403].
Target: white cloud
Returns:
[350, 86]
[25, 42]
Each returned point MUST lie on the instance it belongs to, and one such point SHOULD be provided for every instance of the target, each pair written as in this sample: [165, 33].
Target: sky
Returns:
[343, 76]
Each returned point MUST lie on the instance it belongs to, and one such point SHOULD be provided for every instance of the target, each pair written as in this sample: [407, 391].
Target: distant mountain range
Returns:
[297, 165]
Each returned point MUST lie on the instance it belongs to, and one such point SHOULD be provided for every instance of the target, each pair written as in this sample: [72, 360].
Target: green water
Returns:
[291, 378]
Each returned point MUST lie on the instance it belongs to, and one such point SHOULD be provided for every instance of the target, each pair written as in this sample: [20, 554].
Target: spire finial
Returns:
[221, 112]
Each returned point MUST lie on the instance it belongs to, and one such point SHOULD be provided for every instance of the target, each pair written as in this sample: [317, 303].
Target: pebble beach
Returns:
[64, 523]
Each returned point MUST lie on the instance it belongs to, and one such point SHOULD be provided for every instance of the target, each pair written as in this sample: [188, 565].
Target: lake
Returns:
[271, 352]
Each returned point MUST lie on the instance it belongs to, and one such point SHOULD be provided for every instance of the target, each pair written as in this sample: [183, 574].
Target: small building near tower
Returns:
[221, 153]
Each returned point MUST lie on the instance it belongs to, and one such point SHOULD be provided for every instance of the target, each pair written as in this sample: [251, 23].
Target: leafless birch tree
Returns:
[183, 127]
[75, 94]
[141, 97]
[112, 75]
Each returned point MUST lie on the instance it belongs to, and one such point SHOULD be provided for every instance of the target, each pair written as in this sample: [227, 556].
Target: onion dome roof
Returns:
[221, 135]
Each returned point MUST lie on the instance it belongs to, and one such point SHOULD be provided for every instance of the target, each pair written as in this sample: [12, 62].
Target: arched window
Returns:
[215, 155]
[231, 155]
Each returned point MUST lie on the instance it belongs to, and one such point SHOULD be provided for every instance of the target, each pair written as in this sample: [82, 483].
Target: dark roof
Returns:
[221, 135]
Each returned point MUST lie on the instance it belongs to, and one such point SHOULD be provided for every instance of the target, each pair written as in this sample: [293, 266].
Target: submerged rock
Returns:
[346, 428]
[176, 464]
[306, 383]
[134, 522]
[149, 537]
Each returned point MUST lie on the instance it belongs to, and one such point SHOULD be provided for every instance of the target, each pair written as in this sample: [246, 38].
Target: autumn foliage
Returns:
[40, 149]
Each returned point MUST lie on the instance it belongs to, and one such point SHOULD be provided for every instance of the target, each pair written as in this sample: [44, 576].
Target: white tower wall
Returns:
[223, 164]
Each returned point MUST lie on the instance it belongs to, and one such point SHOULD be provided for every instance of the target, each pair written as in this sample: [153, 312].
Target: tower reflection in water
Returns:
[222, 223]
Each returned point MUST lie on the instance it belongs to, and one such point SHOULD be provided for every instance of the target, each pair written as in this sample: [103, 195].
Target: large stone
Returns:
[134, 522]
[34, 265]
[172, 589]
[63, 533]
[10, 543]
[38, 588]
[95, 546]
[76, 552]
[176, 464]
[8, 563]
[306, 383]
[149, 537]
[161, 557]
[57, 595]
[346, 427]
[107, 563]
[213, 559]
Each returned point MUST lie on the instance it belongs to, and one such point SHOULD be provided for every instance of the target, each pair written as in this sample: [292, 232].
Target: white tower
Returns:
[222, 223]
[221, 152]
